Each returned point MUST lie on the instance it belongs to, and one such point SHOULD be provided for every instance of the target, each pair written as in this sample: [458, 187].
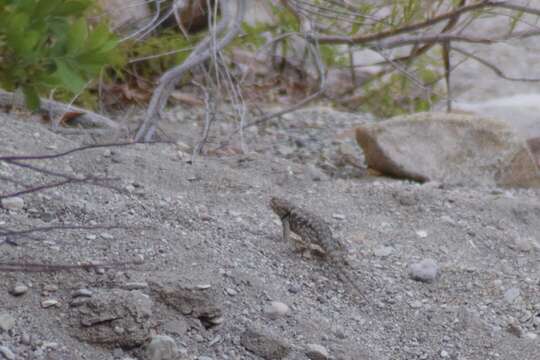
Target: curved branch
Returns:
[202, 52]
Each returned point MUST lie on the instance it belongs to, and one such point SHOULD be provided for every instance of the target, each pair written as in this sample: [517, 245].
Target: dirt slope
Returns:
[211, 224]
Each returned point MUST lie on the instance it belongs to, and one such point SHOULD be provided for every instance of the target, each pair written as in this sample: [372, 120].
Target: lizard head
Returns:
[280, 206]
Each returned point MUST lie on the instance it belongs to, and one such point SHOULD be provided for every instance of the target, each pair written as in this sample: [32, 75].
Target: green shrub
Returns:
[47, 44]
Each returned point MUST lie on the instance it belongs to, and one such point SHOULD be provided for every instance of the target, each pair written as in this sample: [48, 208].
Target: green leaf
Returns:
[77, 35]
[45, 8]
[69, 78]
[31, 97]
[98, 37]
[73, 8]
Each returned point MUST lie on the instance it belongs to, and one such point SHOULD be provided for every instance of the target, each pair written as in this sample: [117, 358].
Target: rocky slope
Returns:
[447, 272]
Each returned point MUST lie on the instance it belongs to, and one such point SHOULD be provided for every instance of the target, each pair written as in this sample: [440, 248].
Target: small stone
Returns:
[416, 304]
[217, 320]
[276, 310]
[7, 322]
[383, 251]
[425, 270]
[422, 234]
[26, 339]
[514, 329]
[444, 354]
[7, 353]
[82, 293]
[203, 286]
[338, 216]
[135, 285]
[293, 289]
[231, 292]
[49, 303]
[317, 352]
[530, 336]
[91, 237]
[129, 188]
[524, 244]
[18, 290]
[161, 347]
[13, 203]
[511, 294]
[106, 236]
[50, 288]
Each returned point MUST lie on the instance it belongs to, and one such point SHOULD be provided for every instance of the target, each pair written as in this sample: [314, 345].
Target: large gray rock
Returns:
[449, 148]
[263, 344]
[188, 299]
[113, 318]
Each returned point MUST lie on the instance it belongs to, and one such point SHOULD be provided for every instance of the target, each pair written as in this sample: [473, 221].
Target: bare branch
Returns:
[491, 66]
[202, 52]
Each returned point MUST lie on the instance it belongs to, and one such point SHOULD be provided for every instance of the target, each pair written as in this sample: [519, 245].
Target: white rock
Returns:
[276, 309]
[161, 347]
[49, 303]
[13, 203]
[511, 294]
[7, 353]
[19, 289]
[425, 270]
[383, 251]
[317, 352]
[422, 234]
[7, 322]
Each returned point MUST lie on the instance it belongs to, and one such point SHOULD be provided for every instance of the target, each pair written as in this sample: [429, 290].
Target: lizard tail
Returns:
[349, 277]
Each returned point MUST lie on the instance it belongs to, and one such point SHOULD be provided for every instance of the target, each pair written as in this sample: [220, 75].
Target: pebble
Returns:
[444, 354]
[91, 237]
[425, 270]
[18, 289]
[524, 244]
[530, 336]
[7, 322]
[13, 203]
[317, 352]
[26, 339]
[49, 303]
[276, 310]
[383, 251]
[7, 353]
[50, 288]
[161, 347]
[338, 216]
[231, 292]
[135, 285]
[294, 289]
[106, 236]
[422, 234]
[82, 293]
[511, 295]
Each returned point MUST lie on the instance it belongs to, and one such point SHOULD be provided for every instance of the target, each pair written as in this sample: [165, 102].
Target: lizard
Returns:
[314, 231]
